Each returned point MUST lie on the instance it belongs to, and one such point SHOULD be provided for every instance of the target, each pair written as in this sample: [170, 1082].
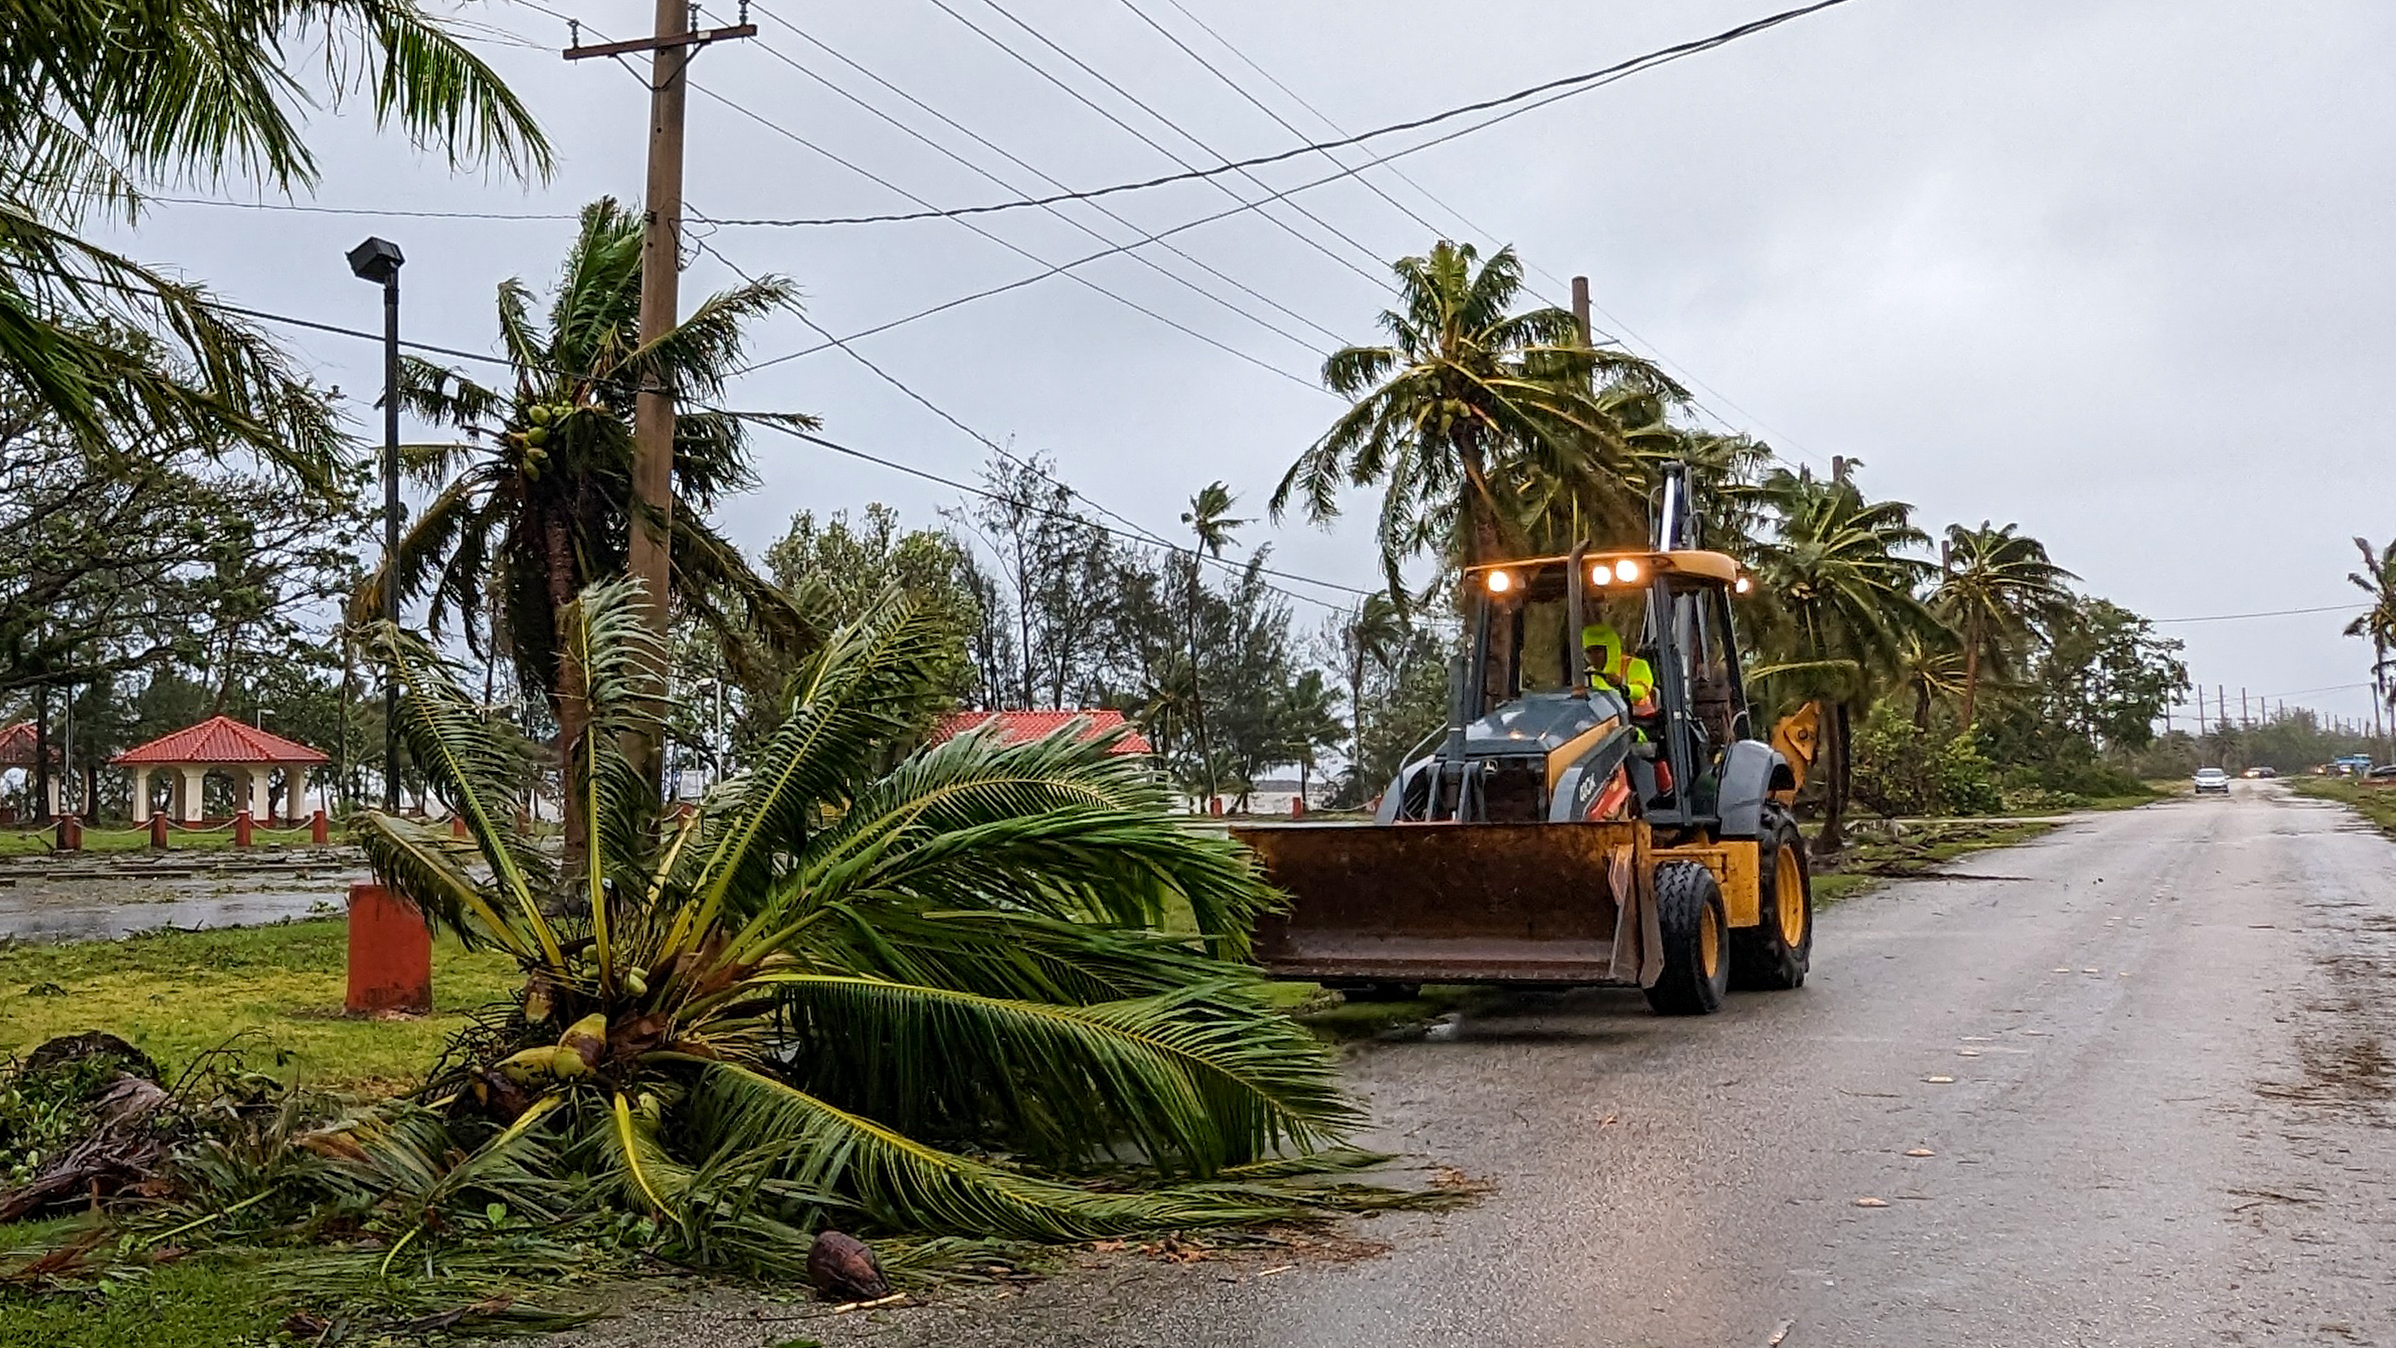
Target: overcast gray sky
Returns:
[2118, 271]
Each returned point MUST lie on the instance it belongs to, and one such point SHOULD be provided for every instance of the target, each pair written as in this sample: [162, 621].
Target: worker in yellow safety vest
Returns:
[1613, 668]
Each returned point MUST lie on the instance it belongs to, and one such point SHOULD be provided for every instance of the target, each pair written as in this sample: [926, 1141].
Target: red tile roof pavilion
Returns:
[16, 745]
[244, 752]
[1022, 727]
[219, 739]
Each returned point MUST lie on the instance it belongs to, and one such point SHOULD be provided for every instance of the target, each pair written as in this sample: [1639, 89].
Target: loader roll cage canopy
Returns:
[1676, 601]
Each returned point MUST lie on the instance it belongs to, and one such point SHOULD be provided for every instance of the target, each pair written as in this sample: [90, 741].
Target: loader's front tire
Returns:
[1772, 956]
[1696, 942]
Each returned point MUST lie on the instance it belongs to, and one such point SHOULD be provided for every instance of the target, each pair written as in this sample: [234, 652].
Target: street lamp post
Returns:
[379, 260]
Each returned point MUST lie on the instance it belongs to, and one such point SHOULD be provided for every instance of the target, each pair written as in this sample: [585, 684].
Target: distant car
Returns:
[2259, 774]
[2384, 772]
[2212, 779]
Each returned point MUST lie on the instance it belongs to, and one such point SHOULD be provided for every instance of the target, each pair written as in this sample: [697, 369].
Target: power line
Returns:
[309, 208]
[1283, 122]
[1149, 263]
[1622, 71]
[986, 494]
[1458, 215]
[1012, 158]
[1138, 531]
[2270, 613]
[1127, 96]
[1555, 89]
[1052, 269]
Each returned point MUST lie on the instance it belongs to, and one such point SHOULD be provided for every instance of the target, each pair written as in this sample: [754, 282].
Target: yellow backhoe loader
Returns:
[1568, 827]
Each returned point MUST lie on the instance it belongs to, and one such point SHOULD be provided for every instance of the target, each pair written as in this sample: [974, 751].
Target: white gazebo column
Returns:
[141, 795]
[53, 794]
[261, 804]
[295, 792]
[194, 779]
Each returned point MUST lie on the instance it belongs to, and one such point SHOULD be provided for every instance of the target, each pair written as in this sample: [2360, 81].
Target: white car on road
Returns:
[2212, 779]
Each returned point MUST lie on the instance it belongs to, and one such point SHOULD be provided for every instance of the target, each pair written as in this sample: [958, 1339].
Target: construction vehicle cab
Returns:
[1562, 828]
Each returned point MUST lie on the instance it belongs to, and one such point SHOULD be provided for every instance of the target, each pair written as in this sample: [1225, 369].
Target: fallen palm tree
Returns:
[925, 995]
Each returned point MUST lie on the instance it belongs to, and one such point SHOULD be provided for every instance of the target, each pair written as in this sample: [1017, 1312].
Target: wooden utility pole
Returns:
[2245, 720]
[650, 548]
[2200, 711]
[1580, 308]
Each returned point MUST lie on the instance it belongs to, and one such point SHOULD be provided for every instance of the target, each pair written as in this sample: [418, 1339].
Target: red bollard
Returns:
[242, 827]
[70, 833]
[319, 832]
[390, 954]
[1214, 806]
[158, 831]
[1297, 807]
[457, 826]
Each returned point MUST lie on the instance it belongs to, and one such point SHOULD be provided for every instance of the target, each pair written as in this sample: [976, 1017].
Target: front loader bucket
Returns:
[1449, 903]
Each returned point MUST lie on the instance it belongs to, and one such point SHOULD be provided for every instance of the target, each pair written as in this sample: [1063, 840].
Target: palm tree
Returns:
[539, 504]
[100, 100]
[2378, 622]
[1836, 572]
[918, 992]
[1995, 588]
[1209, 520]
[1306, 724]
[1366, 637]
[1928, 666]
[1471, 418]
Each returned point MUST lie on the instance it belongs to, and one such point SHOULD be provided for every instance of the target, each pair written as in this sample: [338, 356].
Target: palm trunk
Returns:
[1971, 673]
[1356, 732]
[569, 699]
[1833, 836]
[1206, 758]
[1921, 704]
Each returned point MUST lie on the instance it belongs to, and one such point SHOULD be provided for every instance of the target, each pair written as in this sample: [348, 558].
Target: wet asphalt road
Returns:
[2169, 1033]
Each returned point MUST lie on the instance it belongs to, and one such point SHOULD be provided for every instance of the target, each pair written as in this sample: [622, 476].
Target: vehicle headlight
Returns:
[1627, 570]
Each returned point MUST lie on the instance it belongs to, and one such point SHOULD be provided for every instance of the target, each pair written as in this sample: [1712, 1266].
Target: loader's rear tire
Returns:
[1773, 955]
[1696, 942]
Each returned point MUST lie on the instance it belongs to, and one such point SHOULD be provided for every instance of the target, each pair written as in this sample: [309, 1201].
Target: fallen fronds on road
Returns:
[2374, 803]
[1883, 851]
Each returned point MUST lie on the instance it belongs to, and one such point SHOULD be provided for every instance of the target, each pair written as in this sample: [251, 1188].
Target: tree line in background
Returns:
[1952, 679]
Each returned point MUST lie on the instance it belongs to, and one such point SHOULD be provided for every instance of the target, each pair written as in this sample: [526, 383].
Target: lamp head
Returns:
[376, 260]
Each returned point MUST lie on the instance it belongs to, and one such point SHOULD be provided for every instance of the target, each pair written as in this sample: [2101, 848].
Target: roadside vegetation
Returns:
[957, 997]
[2374, 802]
[270, 995]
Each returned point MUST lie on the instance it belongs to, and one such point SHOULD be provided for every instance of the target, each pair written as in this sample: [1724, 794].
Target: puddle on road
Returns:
[87, 902]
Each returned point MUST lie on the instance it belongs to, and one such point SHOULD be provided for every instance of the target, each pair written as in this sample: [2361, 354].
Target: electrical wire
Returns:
[1057, 212]
[1052, 269]
[1137, 530]
[1623, 71]
[1655, 353]
[1555, 90]
[1259, 104]
[1086, 68]
[1012, 158]
[309, 208]
[986, 494]
[2269, 613]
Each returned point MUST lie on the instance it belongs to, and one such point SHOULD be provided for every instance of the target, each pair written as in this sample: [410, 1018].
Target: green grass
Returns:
[216, 1301]
[279, 988]
[21, 842]
[2374, 803]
